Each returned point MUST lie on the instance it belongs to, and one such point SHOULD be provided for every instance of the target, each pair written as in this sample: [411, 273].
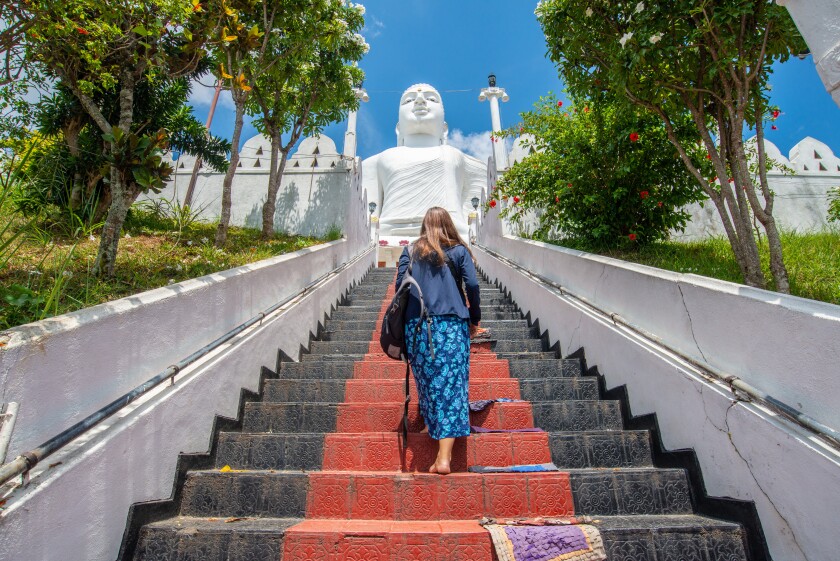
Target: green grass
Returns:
[51, 272]
[812, 260]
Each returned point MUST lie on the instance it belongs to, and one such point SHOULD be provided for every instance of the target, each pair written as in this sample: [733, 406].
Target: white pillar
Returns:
[350, 135]
[494, 94]
[819, 23]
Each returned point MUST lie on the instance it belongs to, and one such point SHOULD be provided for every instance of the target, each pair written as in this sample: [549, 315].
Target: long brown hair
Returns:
[437, 233]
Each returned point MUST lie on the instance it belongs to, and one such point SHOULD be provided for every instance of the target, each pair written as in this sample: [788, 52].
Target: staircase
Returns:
[317, 473]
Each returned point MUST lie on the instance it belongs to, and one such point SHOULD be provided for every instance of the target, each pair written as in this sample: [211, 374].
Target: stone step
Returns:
[630, 491]
[317, 370]
[261, 451]
[306, 390]
[423, 496]
[517, 346]
[383, 452]
[372, 324]
[269, 494]
[600, 449]
[577, 415]
[626, 538]
[379, 417]
[557, 389]
[213, 539]
[345, 314]
[529, 369]
[373, 347]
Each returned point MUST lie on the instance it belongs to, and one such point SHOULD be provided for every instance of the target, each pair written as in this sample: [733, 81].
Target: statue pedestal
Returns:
[388, 255]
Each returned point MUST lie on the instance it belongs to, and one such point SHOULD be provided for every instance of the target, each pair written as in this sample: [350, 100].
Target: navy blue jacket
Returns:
[440, 293]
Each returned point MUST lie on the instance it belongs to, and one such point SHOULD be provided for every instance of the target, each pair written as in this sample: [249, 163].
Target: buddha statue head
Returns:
[421, 121]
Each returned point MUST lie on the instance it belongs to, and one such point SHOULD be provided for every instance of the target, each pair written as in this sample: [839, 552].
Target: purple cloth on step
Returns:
[483, 404]
[543, 543]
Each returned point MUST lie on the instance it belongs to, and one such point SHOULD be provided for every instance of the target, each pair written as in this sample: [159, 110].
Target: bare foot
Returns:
[440, 467]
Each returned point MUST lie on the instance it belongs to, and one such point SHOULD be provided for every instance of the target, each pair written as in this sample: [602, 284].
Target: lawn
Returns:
[50, 272]
[813, 260]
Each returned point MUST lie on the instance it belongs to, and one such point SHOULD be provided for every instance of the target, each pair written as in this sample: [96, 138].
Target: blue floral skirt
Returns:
[442, 381]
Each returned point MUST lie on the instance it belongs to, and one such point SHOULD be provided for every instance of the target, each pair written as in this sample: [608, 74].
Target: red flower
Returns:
[776, 113]
[731, 179]
[708, 156]
[632, 237]
[515, 199]
[644, 194]
[493, 203]
[83, 31]
[586, 109]
[659, 204]
[559, 104]
[556, 199]
[521, 130]
[634, 136]
[774, 127]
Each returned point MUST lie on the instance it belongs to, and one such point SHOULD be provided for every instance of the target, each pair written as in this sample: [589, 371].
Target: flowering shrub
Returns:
[606, 175]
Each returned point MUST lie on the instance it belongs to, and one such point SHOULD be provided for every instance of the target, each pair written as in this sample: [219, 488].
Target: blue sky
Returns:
[454, 45]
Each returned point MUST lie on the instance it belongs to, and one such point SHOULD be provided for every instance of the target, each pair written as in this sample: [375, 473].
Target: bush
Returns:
[834, 205]
[604, 173]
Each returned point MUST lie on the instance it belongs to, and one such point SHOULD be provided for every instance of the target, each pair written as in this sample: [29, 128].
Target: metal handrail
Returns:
[830, 436]
[28, 460]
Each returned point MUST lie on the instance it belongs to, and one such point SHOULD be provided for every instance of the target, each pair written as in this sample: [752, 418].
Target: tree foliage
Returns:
[602, 172]
[100, 47]
[304, 80]
[68, 173]
[712, 58]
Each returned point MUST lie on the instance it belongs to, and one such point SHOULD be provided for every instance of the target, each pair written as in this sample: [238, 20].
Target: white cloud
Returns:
[373, 27]
[201, 95]
[475, 144]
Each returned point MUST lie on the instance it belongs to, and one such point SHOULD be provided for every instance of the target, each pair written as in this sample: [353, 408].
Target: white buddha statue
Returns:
[422, 171]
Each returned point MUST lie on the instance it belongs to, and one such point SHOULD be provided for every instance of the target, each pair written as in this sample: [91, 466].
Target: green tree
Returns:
[712, 58]
[239, 41]
[98, 46]
[602, 172]
[67, 173]
[311, 86]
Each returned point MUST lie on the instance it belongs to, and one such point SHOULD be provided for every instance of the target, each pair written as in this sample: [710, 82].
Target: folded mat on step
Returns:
[482, 404]
[474, 428]
[545, 540]
[524, 468]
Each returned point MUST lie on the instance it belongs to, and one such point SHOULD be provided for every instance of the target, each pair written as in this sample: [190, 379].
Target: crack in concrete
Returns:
[690, 324]
[755, 479]
[597, 283]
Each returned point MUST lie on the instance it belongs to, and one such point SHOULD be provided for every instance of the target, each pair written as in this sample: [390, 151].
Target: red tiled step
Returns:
[394, 389]
[392, 369]
[381, 451]
[385, 417]
[458, 496]
[477, 355]
[364, 540]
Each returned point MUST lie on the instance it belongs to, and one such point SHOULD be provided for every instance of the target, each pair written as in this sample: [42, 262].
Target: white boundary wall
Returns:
[64, 369]
[786, 346]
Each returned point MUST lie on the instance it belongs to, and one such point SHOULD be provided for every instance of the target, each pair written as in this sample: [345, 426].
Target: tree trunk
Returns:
[227, 186]
[106, 258]
[274, 177]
